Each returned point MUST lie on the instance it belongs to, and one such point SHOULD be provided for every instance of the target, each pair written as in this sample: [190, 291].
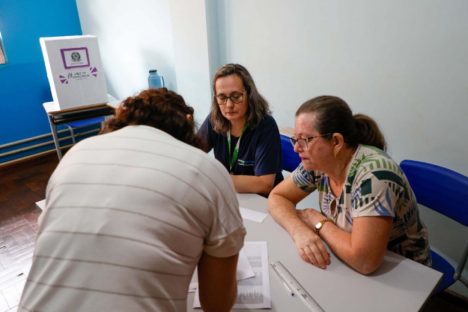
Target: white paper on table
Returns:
[252, 215]
[244, 270]
[252, 293]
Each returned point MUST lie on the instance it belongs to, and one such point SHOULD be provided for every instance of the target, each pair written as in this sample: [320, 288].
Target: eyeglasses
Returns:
[303, 142]
[235, 97]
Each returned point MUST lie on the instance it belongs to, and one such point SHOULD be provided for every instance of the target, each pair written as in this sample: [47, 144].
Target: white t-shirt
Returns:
[128, 215]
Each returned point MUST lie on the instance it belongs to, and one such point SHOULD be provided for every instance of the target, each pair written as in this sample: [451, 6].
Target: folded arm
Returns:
[282, 206]
[254, 184]
[364, 248]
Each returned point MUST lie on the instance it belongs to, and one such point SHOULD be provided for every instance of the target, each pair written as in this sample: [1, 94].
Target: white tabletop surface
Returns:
[399, 285]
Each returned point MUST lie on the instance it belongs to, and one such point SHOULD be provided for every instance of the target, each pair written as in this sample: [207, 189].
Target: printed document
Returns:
[254, 292]
[244, 270]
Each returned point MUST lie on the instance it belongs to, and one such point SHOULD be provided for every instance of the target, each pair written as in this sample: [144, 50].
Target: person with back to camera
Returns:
[242, 132]
[131, 213]
[367, 205]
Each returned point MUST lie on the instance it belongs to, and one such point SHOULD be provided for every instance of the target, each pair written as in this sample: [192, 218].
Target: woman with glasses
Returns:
[243, 134]
[366, 203]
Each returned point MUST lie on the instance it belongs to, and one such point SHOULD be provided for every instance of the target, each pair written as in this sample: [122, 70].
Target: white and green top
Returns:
[375, 186]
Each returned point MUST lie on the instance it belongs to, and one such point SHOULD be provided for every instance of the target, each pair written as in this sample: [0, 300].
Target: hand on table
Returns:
[311, 247]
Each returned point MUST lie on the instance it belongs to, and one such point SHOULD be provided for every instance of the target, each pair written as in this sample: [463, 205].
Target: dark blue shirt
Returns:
[259, 150]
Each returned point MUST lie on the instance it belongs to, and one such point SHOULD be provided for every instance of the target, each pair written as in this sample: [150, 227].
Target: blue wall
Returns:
[23, 80]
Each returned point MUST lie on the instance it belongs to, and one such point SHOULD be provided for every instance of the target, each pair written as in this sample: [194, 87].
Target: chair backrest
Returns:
[290, 158]
[86, 122]
[438, 188]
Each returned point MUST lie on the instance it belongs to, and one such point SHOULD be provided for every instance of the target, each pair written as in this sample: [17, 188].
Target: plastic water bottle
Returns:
[155, 80]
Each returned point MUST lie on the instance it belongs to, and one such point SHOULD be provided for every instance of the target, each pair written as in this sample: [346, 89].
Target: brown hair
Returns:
[333, 115]
[257, 106]
[158, 108]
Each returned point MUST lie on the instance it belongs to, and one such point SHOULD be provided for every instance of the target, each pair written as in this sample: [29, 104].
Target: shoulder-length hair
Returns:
[257, 108]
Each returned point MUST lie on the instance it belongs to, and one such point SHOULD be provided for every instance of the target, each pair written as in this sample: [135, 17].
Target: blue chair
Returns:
[446, 192]
[290, 158]
[72, 125]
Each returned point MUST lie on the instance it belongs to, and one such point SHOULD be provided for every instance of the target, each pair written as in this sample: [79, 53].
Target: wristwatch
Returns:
[318, 226]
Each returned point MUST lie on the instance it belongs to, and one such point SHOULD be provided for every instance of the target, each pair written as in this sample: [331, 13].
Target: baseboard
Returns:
[24, 159]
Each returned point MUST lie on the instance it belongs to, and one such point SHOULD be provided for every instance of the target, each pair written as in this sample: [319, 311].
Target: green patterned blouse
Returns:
[375, 186]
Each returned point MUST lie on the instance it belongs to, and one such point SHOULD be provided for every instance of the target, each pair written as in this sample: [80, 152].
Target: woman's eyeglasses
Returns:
[235, 97]
[303, 142]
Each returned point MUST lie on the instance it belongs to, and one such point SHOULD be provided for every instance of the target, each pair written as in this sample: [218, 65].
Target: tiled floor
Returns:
[21, 185]
[16, 248]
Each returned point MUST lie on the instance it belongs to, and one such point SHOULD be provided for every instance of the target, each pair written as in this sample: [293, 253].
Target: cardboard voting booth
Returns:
[74, 70]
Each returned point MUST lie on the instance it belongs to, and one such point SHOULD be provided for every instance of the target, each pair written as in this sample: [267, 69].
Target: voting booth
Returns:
[78, 86]
[74, 70]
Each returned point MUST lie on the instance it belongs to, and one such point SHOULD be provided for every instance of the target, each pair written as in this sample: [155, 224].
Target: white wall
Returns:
[192, 54]
[405, 63]
[135, 36]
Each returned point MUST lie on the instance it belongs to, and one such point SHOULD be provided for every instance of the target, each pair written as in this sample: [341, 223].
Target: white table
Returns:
[399, 285]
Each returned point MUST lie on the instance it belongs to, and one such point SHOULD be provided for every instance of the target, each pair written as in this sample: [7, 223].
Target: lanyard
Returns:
[235, 153]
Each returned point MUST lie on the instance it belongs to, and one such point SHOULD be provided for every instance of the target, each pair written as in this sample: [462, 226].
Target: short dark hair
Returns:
[257, 109]
[159, 108]
[333, 115]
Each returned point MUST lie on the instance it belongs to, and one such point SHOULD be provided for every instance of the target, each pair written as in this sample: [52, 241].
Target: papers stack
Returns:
[253, 278]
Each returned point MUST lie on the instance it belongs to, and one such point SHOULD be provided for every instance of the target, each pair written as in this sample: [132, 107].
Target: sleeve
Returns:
[268, 150]
[204, 133]
[227, 232]
[228, 246]
[305, 180]
[373, 194]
